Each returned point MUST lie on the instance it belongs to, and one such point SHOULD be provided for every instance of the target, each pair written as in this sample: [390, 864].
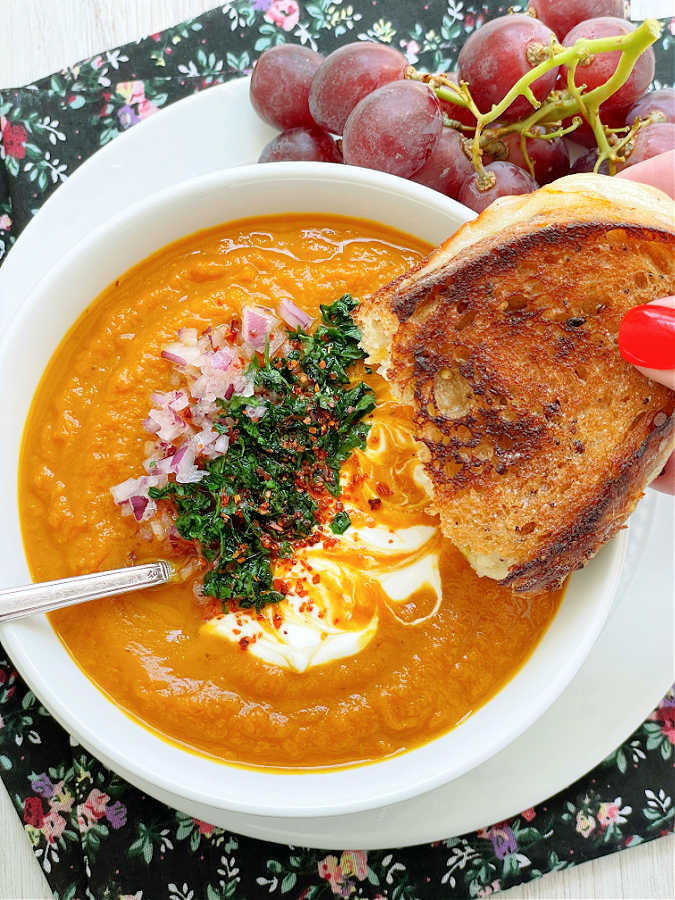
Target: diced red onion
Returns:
[138, 506]
[181, 354]
[121, 492]
[222, 359]
[188, 336]
[151, 426]
[174, 358]
[244, 386]
[257, 322]
[276, 338]
[221, 444]
[293, 316]
[256, 411]
[170, 424]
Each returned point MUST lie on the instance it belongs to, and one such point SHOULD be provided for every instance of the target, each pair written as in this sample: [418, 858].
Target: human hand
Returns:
[647, 333]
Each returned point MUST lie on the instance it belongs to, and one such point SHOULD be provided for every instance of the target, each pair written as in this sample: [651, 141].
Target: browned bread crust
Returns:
[538, 438]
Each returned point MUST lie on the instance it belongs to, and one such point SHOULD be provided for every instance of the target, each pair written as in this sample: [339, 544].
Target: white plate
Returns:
[630, 666]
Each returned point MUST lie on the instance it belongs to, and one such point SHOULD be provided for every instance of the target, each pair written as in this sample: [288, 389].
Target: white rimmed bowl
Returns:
[137, 754]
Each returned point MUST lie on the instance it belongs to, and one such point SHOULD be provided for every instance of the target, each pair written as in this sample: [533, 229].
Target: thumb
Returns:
[647, 340]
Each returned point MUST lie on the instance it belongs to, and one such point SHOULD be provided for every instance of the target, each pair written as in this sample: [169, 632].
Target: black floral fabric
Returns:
[94, 835]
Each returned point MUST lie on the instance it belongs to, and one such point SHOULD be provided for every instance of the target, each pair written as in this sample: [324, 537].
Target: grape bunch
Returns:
[490, 129]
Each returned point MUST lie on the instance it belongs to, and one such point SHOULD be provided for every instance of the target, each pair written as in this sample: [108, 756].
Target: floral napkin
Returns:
[93, 834]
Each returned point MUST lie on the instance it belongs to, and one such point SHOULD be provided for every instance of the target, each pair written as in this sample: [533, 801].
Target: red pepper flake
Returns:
[316, 578]
[277, 620]
[383, 489]
[244, 642]
[374, 503]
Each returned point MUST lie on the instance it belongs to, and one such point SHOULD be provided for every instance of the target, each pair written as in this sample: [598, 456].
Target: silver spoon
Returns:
[44, 596]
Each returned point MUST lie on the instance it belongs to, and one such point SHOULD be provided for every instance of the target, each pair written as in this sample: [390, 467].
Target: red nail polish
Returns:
[647, 336]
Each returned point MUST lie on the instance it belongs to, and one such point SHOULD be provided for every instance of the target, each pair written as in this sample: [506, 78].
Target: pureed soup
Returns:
[380, 636]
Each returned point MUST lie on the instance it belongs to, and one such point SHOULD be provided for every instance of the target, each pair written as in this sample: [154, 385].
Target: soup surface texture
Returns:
[392, 640]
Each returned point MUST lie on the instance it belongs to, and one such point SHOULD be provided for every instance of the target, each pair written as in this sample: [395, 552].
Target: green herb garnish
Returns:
[340, 523]
[264, 495]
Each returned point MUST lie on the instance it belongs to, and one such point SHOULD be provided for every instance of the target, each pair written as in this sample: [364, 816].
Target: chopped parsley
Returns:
[266, 494]
[340, 523]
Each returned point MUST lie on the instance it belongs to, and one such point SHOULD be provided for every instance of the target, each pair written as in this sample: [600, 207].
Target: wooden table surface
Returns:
[37, 37]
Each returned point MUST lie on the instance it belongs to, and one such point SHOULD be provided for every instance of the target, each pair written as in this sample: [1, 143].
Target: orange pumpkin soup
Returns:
[391, 641]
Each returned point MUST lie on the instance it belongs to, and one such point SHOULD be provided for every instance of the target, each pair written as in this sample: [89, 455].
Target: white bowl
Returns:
[138, 754]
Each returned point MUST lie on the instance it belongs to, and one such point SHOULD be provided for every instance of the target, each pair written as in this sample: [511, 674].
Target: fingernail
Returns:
[647, 336]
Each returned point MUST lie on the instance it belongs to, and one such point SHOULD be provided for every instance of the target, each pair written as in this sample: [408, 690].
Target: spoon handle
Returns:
[47, 595]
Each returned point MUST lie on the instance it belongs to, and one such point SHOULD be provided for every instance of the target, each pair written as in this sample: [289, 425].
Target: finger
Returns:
[659, 171]
[666, 480]
[639, 338]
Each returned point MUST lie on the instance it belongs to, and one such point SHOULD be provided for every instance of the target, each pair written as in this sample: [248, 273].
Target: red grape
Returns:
[661, 101]
[280, 83]
[551, 159]
[349, 74]
[495, 57]
[510, 180]
[563, 15]
[602, 65]
[448, 167]
[301, 144]
[586, 163]
[394, 129]
[655, 138]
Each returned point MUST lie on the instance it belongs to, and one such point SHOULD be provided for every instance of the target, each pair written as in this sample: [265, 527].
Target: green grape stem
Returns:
[559, 105]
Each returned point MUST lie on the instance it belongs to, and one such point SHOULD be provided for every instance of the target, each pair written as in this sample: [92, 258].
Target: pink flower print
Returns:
[669, 731]
[5, 225]
[97, 62]
[612, 814]
[331, 871]
[528, 814]
[665, 714]
[62, 800]
[411, 50]
[93, 807]
[284, 14]
[132, 91]
[14, 141]
[33, 813]
[116, 814]
[354, 862]
[585, 824]
[493, 888]
[145, 108]
[204, 827]
[53, 826]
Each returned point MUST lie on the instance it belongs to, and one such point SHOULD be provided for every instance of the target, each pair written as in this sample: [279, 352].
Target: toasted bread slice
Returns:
[538, 439]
